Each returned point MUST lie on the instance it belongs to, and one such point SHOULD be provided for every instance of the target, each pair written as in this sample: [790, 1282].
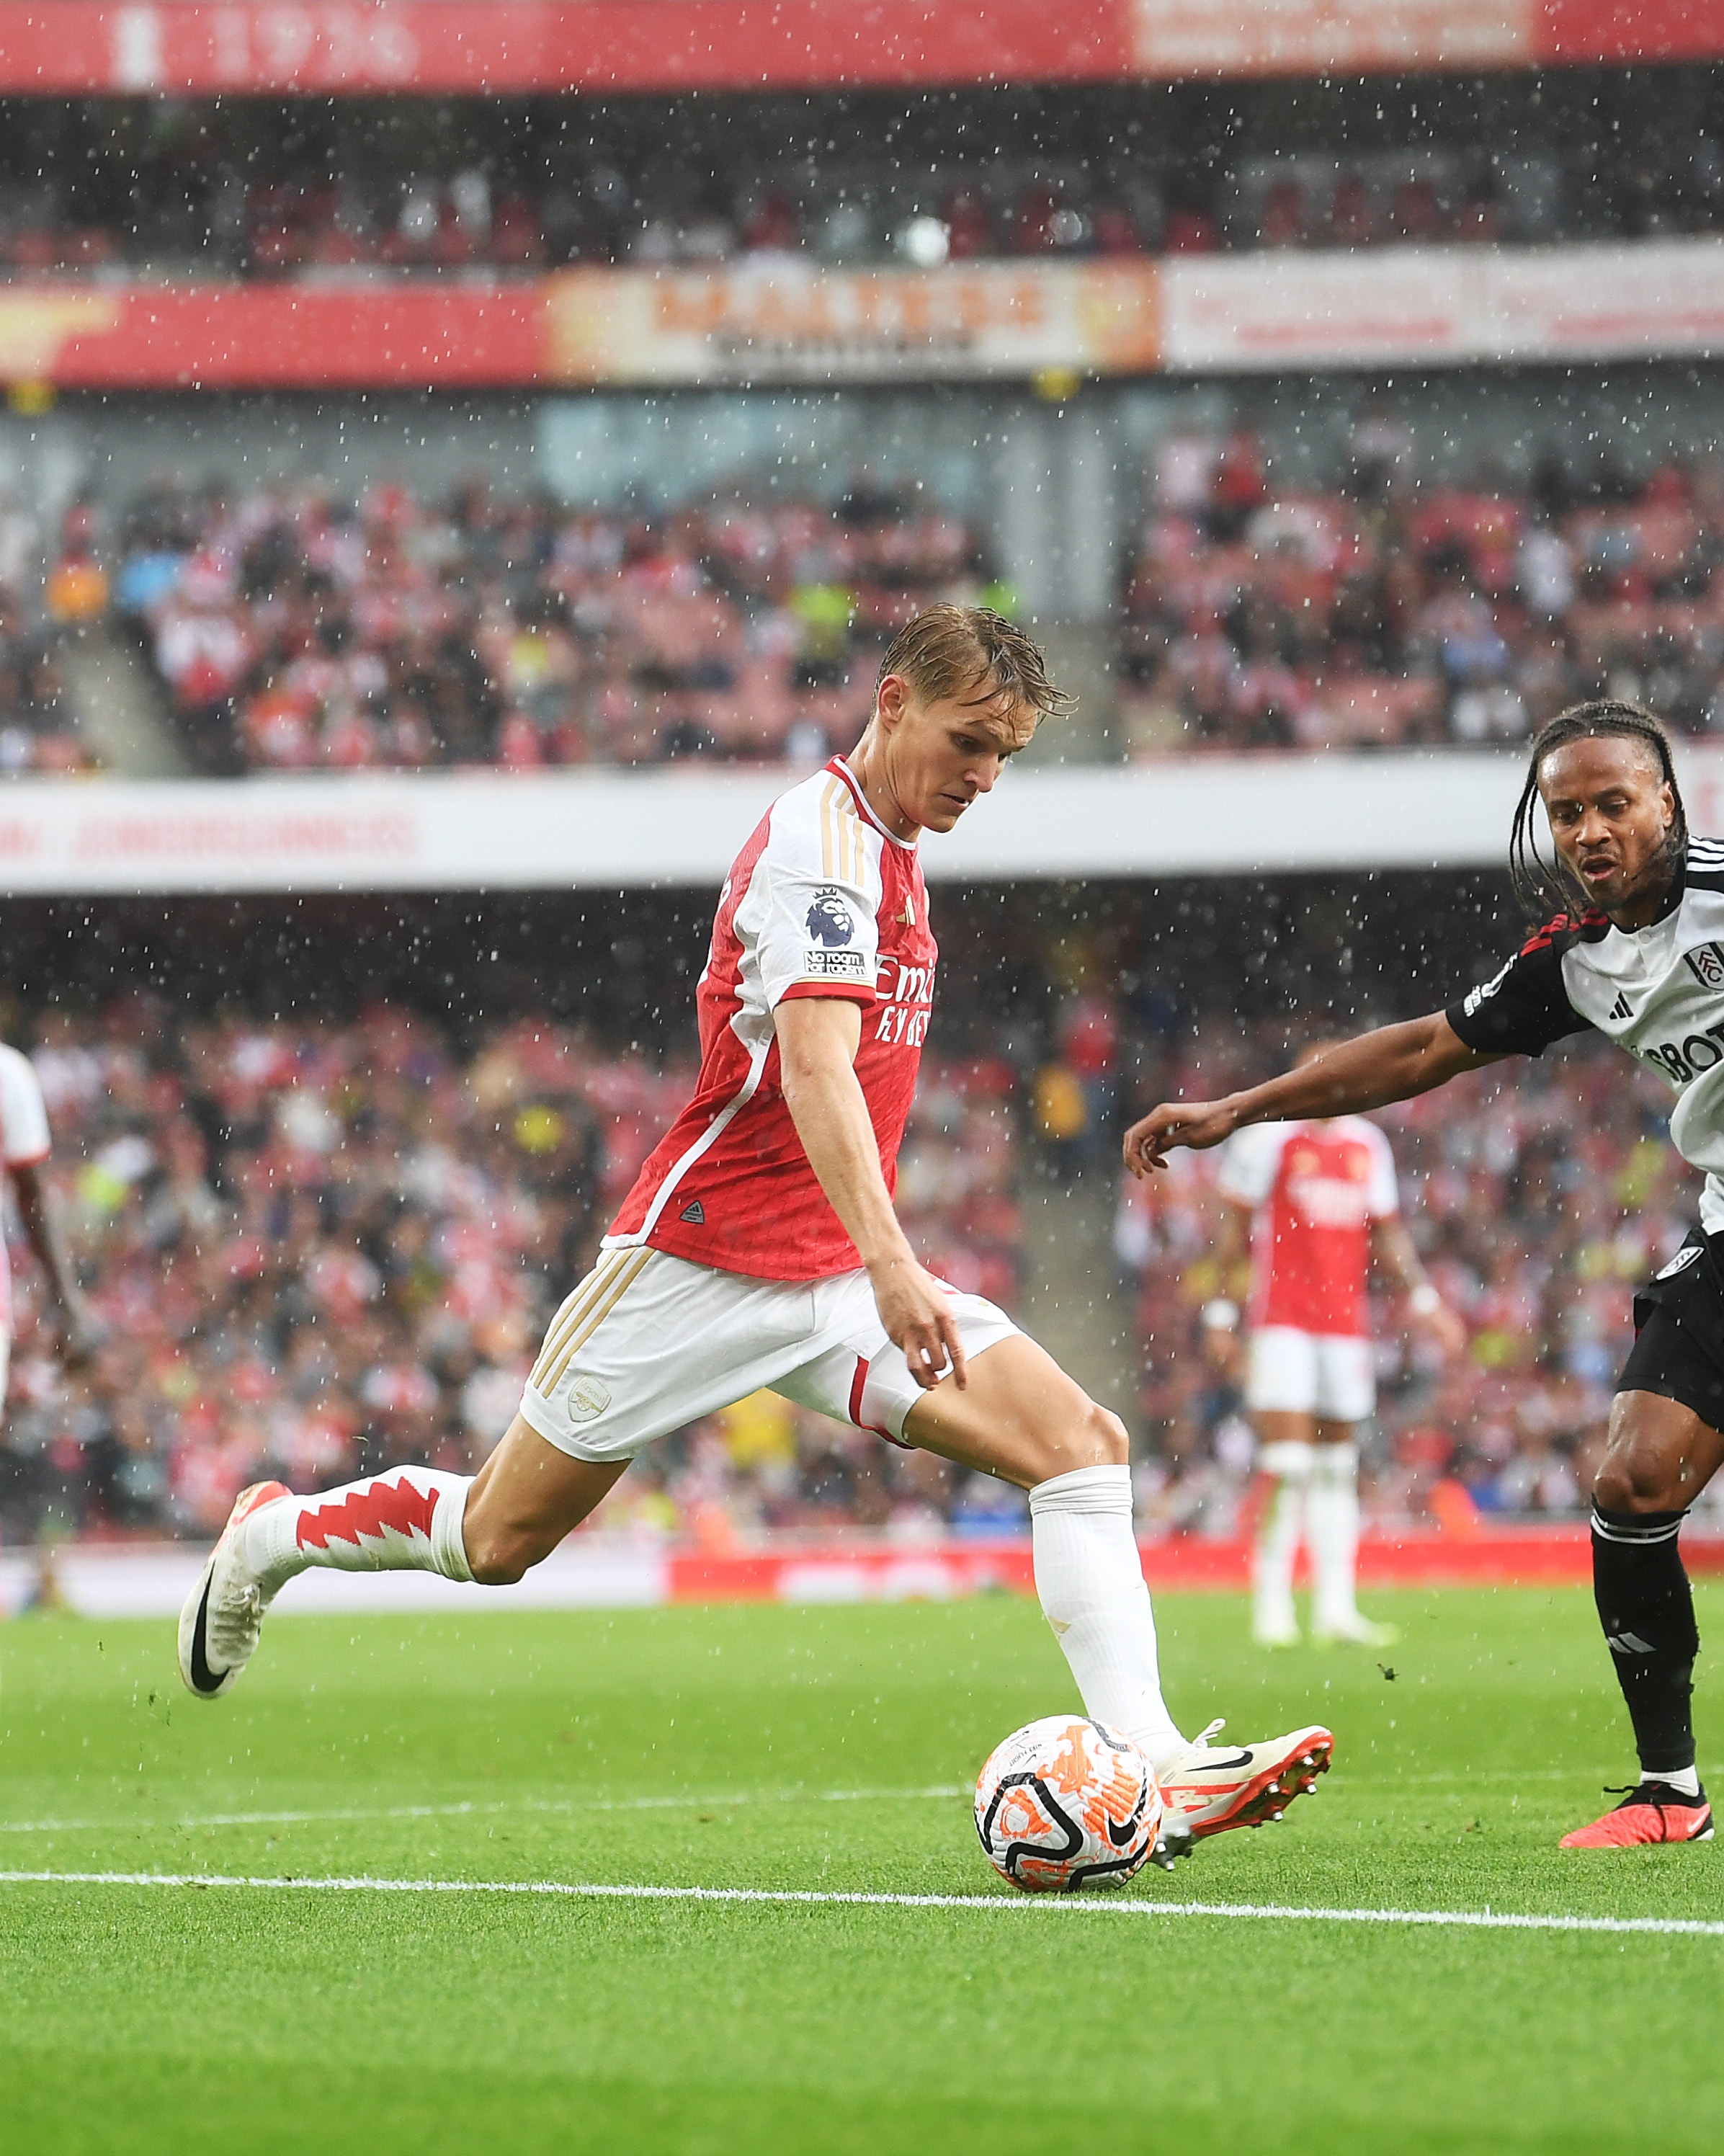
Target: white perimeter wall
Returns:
[610, 830]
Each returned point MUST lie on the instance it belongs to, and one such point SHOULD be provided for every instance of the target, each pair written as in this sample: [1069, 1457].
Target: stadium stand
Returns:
[318, 1244]
[1384, 611]
[292, 629]
[1538, 1211]
[39, 724]
[315, 1246]
[263, 189]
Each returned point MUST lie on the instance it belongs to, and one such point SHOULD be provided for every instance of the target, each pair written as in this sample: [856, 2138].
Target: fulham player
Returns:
[1632, 948]
[1317, 1200]
[759, 1247]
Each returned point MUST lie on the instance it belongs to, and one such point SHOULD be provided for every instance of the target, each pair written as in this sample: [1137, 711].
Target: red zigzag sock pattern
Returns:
[369, 1511]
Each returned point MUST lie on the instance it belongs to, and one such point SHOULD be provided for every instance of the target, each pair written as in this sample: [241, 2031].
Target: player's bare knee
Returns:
[1626, 1483]
[1097, 1439]
[1104, 1439]
[497, 1557]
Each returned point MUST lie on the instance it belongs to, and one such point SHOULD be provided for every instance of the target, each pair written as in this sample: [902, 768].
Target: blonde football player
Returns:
[759, 1247]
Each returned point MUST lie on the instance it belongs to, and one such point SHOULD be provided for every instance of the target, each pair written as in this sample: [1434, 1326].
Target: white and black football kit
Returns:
[1658, 993]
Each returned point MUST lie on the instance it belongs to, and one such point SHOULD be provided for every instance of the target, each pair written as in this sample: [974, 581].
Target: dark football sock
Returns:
[1647, 1611]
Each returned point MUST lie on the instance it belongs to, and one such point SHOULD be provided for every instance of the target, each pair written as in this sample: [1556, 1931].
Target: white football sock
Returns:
[408, 1519]
[1289, 1464]
[1684, 1780]
[1333, 1522]
[1091, 1585]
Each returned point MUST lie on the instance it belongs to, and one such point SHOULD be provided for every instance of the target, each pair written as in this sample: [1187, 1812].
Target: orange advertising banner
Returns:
[791, 321]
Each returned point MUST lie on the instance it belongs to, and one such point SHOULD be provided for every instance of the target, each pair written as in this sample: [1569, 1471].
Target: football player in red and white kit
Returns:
[759, 1248]
[1318, 1200]
[24, 1149]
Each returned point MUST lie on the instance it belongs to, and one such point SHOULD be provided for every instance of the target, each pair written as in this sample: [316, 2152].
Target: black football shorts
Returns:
[1679, 1332]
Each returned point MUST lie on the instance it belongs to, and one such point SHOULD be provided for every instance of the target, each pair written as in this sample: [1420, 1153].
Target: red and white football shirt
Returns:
[1314, 1189]
[823, 900]
[24, 1142]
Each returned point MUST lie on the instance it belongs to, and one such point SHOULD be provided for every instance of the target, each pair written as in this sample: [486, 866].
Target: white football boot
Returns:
[1211, 1787]
[224, 1611]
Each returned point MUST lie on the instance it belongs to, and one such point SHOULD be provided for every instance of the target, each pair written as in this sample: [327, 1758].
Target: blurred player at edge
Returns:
[759, 1247]
[1635, 951]
[24, 1145]
[1318, 1200]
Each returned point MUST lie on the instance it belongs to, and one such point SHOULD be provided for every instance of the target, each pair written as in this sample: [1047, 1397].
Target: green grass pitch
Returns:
[823, 1749]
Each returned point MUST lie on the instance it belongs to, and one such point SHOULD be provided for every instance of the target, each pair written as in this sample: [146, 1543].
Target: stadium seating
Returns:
[315, 1248]
[1538, 1211]
[77, 200]
[1389, 613]
[39, 728]
[291, 630]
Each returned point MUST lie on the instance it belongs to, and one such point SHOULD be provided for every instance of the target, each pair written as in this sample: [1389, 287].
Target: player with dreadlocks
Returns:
[1632, 947]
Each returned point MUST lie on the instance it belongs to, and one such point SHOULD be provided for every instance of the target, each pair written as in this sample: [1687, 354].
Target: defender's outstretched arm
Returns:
[1391, 1063]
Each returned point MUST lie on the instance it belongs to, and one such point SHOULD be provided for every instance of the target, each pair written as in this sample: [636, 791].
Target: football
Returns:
[1065, 1803]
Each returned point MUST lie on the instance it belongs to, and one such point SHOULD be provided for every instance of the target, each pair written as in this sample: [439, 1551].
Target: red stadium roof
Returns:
[69, 46]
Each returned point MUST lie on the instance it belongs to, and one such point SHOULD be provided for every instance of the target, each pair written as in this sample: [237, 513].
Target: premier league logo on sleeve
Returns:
[831, 932]
[829, 919]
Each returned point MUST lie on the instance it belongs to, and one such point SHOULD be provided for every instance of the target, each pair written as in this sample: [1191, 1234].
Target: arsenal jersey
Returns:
[823, 900]
[23, 1143]
[1315, 1190]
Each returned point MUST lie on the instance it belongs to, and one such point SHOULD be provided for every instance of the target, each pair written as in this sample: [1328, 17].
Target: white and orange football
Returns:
[1067, 1802]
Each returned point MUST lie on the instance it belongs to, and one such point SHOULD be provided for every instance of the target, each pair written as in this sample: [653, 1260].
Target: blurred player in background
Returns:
[1637, 954]
[759, 1247]
[24, 1146]
[1316, 1201]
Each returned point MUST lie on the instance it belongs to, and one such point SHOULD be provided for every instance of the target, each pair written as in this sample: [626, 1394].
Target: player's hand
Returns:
[78, 1339]
[1197, 1123]
[918, 1318]
[1446, 1329]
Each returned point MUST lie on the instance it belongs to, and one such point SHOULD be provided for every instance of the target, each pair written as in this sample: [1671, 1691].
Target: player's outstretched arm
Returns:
[1391, 1063]
[36, 1210]
[817, 1039]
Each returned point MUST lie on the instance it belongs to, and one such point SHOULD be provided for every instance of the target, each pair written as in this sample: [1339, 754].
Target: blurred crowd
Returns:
[291, 628]
[1380, 609]
[188, 190]
[1541, 1195]
[316, 1248]
[38, 724]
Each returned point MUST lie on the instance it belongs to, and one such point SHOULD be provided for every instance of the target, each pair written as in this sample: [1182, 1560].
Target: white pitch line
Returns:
[1489, 1920]
[737, 1800]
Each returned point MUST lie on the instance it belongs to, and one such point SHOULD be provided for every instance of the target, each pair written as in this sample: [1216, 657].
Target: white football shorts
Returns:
[649, 1342]
[1330, 1375]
